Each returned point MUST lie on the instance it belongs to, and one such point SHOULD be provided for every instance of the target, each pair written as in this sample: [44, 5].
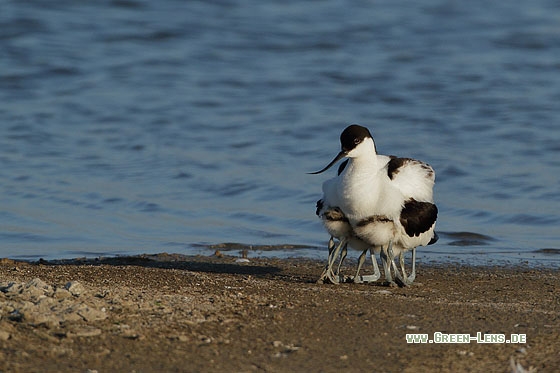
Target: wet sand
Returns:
[206, 314]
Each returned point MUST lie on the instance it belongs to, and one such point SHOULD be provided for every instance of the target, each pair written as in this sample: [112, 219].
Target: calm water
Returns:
[133, 127]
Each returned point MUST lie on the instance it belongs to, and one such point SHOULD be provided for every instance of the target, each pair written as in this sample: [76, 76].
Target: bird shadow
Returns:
[217, 265]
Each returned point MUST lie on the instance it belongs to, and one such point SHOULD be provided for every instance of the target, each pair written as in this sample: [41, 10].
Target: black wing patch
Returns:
[394, 164]
[418, 217]
[434, 239]
[342, 166]
[319, 206]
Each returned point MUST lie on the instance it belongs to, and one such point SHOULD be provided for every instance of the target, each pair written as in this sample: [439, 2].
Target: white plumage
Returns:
[387, 202]
[338, 226]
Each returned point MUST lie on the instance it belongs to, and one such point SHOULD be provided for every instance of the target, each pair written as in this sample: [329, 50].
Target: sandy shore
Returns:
[208, 314]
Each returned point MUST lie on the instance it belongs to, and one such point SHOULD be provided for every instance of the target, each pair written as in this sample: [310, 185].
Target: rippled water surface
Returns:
[146, 126]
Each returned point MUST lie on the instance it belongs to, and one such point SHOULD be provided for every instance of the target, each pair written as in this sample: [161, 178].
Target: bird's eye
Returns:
[356, 141]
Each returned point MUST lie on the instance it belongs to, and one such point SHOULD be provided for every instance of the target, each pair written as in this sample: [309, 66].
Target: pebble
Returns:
[39, 304]
[180, 337]
[13, 288]
[38, 284]
[61, 293]
[85, 332]
[90, 314]
[4, 335]
[75, 288]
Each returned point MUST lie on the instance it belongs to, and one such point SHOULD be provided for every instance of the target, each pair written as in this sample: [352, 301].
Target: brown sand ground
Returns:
[208, 314]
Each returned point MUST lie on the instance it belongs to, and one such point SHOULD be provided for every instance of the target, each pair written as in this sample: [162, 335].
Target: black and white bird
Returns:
[338, 226]
[388, 201]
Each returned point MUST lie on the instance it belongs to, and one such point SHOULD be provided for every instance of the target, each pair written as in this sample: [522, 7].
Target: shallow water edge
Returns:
[545, 259]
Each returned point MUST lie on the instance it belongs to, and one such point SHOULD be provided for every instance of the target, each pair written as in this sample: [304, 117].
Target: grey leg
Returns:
[335, 279]
[399, 280]
[376, 273]
[386, 267]
[361, 260]
[328, 272]
[324, 274]
[388, 262]
[342, 257]
[401, 262]
[408, 280]
[331, 246]
[412, 276]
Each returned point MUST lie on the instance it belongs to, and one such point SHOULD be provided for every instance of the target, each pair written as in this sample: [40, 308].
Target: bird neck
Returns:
[365, 163]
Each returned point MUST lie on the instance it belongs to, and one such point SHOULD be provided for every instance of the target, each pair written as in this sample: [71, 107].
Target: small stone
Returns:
[4, 335]
[37, 318]
[38, 283]
[103, 352]
[13, 288]
[45, 304]
[22, 354]
[16, 316]
[59, 351]
[75, 288]
[36, 288]
[291, 348]
[179, 337]
[71, 315]
[61, 293]
[85, 332]
[131, 334]
[91, 314]
[102, 294]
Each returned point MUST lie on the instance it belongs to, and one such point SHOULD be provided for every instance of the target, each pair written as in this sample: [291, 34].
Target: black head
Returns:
[351, 137]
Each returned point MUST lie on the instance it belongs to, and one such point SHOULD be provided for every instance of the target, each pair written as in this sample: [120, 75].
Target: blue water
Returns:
[133, 126]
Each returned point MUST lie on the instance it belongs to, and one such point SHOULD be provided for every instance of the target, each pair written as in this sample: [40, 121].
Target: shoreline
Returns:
[538, 259]
[196, 313]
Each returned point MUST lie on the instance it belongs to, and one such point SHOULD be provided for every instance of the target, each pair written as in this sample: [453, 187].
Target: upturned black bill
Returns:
[340, 155]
